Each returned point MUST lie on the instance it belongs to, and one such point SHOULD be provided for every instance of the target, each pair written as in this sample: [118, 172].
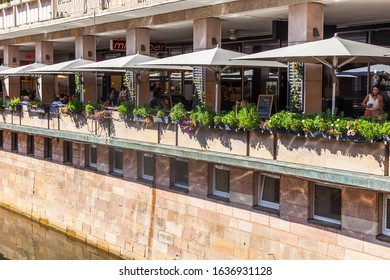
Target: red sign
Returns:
[120, 45]
[29, 56]
[157, 47]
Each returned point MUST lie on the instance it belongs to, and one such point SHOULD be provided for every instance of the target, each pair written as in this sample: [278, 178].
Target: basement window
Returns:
[326, 202]
[268, 191]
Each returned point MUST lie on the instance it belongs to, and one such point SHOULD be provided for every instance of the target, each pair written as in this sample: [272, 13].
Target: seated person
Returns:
[155, 102]
[112, 98]
[56, 102]
[64, 98]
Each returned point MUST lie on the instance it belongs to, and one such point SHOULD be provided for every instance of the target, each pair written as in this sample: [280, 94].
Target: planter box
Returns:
[217, 140]
[225, 127]
[355, 138]
[344, 155]
[165, 119]
[287, 131]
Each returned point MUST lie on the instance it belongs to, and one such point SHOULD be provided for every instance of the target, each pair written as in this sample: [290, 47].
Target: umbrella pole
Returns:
[137, 88]
[217, 82]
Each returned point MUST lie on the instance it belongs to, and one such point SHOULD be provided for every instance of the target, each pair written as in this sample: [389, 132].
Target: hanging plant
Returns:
[129, 84]
[296, 77]
[78, 85]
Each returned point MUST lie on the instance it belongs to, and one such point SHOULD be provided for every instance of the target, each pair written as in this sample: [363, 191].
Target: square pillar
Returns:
[44, 54]
[306, 24]
[86, 49]
[138, 40]
[204, 30]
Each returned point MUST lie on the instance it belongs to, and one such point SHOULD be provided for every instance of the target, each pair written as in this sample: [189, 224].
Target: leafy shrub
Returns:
[203, 116]
[218, 117]
[248, 117]
[178, 112]
[125, 108]
[91, 107]
[142, 111]
[13, 103]
[162, 112]
[75, 106]
[230, 119]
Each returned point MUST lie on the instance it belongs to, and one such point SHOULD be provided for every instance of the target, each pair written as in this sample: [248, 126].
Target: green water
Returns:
[23, 239]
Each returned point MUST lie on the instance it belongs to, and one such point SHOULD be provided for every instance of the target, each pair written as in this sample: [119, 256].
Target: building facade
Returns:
[154, 191]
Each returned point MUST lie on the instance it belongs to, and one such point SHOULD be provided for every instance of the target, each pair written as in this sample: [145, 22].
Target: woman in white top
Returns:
[373, 102]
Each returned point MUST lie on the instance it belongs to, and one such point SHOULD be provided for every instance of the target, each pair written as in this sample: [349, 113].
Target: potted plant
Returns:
[218, 120]
[75, 106]
[230, 120]
[161, 115]
[142, 113]
[202, 116]
[178, 113]
[91, 108]
[385, 131]
[248, 117]
[125, 109]
[14, 104]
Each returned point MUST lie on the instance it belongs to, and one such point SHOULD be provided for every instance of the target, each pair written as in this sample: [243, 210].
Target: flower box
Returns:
[287, 131]
[225, 127]
[355, 138]
[164, 119]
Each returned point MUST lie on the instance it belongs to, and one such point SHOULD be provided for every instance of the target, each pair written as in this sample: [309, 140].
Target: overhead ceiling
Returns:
[342, 13]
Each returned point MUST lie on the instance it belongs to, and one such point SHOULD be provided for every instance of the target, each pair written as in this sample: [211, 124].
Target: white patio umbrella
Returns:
[216, 59]
[62, 67]
[21, 70]
[363, 71]
[333, 53]
[125, 64]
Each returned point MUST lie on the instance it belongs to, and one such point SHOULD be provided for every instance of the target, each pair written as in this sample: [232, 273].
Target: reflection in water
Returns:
[23, 239]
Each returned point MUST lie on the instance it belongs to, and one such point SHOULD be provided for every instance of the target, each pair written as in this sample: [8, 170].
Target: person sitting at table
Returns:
[155, 101]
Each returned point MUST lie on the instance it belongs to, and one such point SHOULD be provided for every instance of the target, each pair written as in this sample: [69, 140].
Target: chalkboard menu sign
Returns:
[264, 105]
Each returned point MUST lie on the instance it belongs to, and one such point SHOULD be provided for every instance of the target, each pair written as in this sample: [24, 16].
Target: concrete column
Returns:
[86, 49]
[204, 30]
[138, 40]
[44, 54]
[12, 59]
[304, 20]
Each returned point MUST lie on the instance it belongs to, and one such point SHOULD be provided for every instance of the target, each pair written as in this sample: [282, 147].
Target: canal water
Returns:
[24, 239]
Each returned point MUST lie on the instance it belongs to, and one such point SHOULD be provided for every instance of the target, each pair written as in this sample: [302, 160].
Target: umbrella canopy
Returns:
[2, 68]
[216, 59]
[62, 67]
[123, 64]
[333, 53]
[22, 70]
[363, 71]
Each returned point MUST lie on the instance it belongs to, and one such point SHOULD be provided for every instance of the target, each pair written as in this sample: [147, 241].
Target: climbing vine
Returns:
[296, 84]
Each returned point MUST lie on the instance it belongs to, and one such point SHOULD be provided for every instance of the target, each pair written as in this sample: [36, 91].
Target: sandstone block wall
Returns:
[140, 220]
